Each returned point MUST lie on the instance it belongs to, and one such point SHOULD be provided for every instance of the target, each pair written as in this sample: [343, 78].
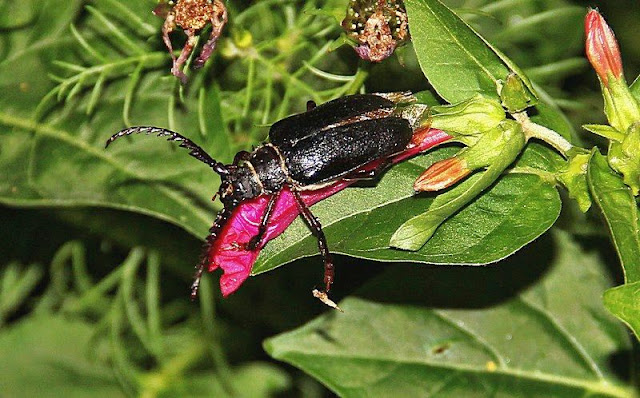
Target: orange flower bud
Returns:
[602, 48]
[441, 175]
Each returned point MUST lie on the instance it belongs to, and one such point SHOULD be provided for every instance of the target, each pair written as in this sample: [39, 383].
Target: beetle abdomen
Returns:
[337, 151]
[289, 131]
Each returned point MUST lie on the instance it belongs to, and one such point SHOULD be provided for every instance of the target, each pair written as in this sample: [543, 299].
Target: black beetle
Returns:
[306, 152]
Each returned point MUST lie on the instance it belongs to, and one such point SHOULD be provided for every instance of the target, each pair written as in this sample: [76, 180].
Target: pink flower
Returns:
[229, 251]
[602, 47]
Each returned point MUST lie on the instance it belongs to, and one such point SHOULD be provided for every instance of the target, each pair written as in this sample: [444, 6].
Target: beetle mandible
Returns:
[307, 151]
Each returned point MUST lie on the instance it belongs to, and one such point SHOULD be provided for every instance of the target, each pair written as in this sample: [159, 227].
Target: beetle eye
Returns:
[229, 190]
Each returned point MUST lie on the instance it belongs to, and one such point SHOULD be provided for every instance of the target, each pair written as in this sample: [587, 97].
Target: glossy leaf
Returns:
[624, 302]
[620, 211]
[455, 59]
[459, 63]
[452, 332]
[511, 214]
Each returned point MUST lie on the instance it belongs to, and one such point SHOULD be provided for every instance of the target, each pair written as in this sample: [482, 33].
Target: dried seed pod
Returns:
[191, 16]
[378, 26]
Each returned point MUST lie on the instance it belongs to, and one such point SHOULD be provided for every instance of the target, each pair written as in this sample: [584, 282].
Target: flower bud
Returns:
[490, 146]
[441, 175]
[602, 48]
[603, 52]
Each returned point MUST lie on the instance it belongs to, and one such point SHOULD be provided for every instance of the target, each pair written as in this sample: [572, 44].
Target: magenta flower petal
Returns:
[229, 251]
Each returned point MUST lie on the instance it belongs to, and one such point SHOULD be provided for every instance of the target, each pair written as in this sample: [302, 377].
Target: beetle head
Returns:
[241, 183]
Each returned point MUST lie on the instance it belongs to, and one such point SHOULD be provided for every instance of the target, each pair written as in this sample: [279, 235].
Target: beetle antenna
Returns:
[195, 150]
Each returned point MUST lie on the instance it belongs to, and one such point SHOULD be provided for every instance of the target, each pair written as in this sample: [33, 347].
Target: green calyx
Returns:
[624, 157]
[515, 96]
[620, 106]
[493, 144]
[623, 113]
[468, 119]
[574, 178]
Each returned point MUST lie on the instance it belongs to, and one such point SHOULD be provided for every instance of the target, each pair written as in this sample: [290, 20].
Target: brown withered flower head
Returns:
[378, 26]
[191, 16]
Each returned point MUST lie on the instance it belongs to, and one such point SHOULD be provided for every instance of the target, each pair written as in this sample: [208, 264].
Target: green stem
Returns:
[155, 383]
[534, 130]
[359, 79]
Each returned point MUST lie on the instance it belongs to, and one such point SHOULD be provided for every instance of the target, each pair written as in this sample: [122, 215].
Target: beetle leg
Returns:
[192, 40]
[214, 231]
[217, 23]
[316, 229]
[262, 228]
[195, 150]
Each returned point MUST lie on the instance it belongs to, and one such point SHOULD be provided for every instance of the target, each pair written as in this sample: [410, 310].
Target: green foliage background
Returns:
[98, 246]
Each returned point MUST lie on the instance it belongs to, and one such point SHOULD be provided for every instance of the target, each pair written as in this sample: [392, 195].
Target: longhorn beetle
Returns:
[306, 151]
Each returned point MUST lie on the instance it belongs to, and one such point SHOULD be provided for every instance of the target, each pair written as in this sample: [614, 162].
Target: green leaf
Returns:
[461, 332]
[455, 59]
[624, 302]
[459, 63]
[605, 131]
[61, 166]
[620, 211]
[360, 221]
[60, 161]
[50, 357]
[618, 206]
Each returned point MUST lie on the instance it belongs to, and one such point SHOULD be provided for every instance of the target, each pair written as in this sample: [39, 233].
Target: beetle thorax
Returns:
[269, 167]
[264, 172]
